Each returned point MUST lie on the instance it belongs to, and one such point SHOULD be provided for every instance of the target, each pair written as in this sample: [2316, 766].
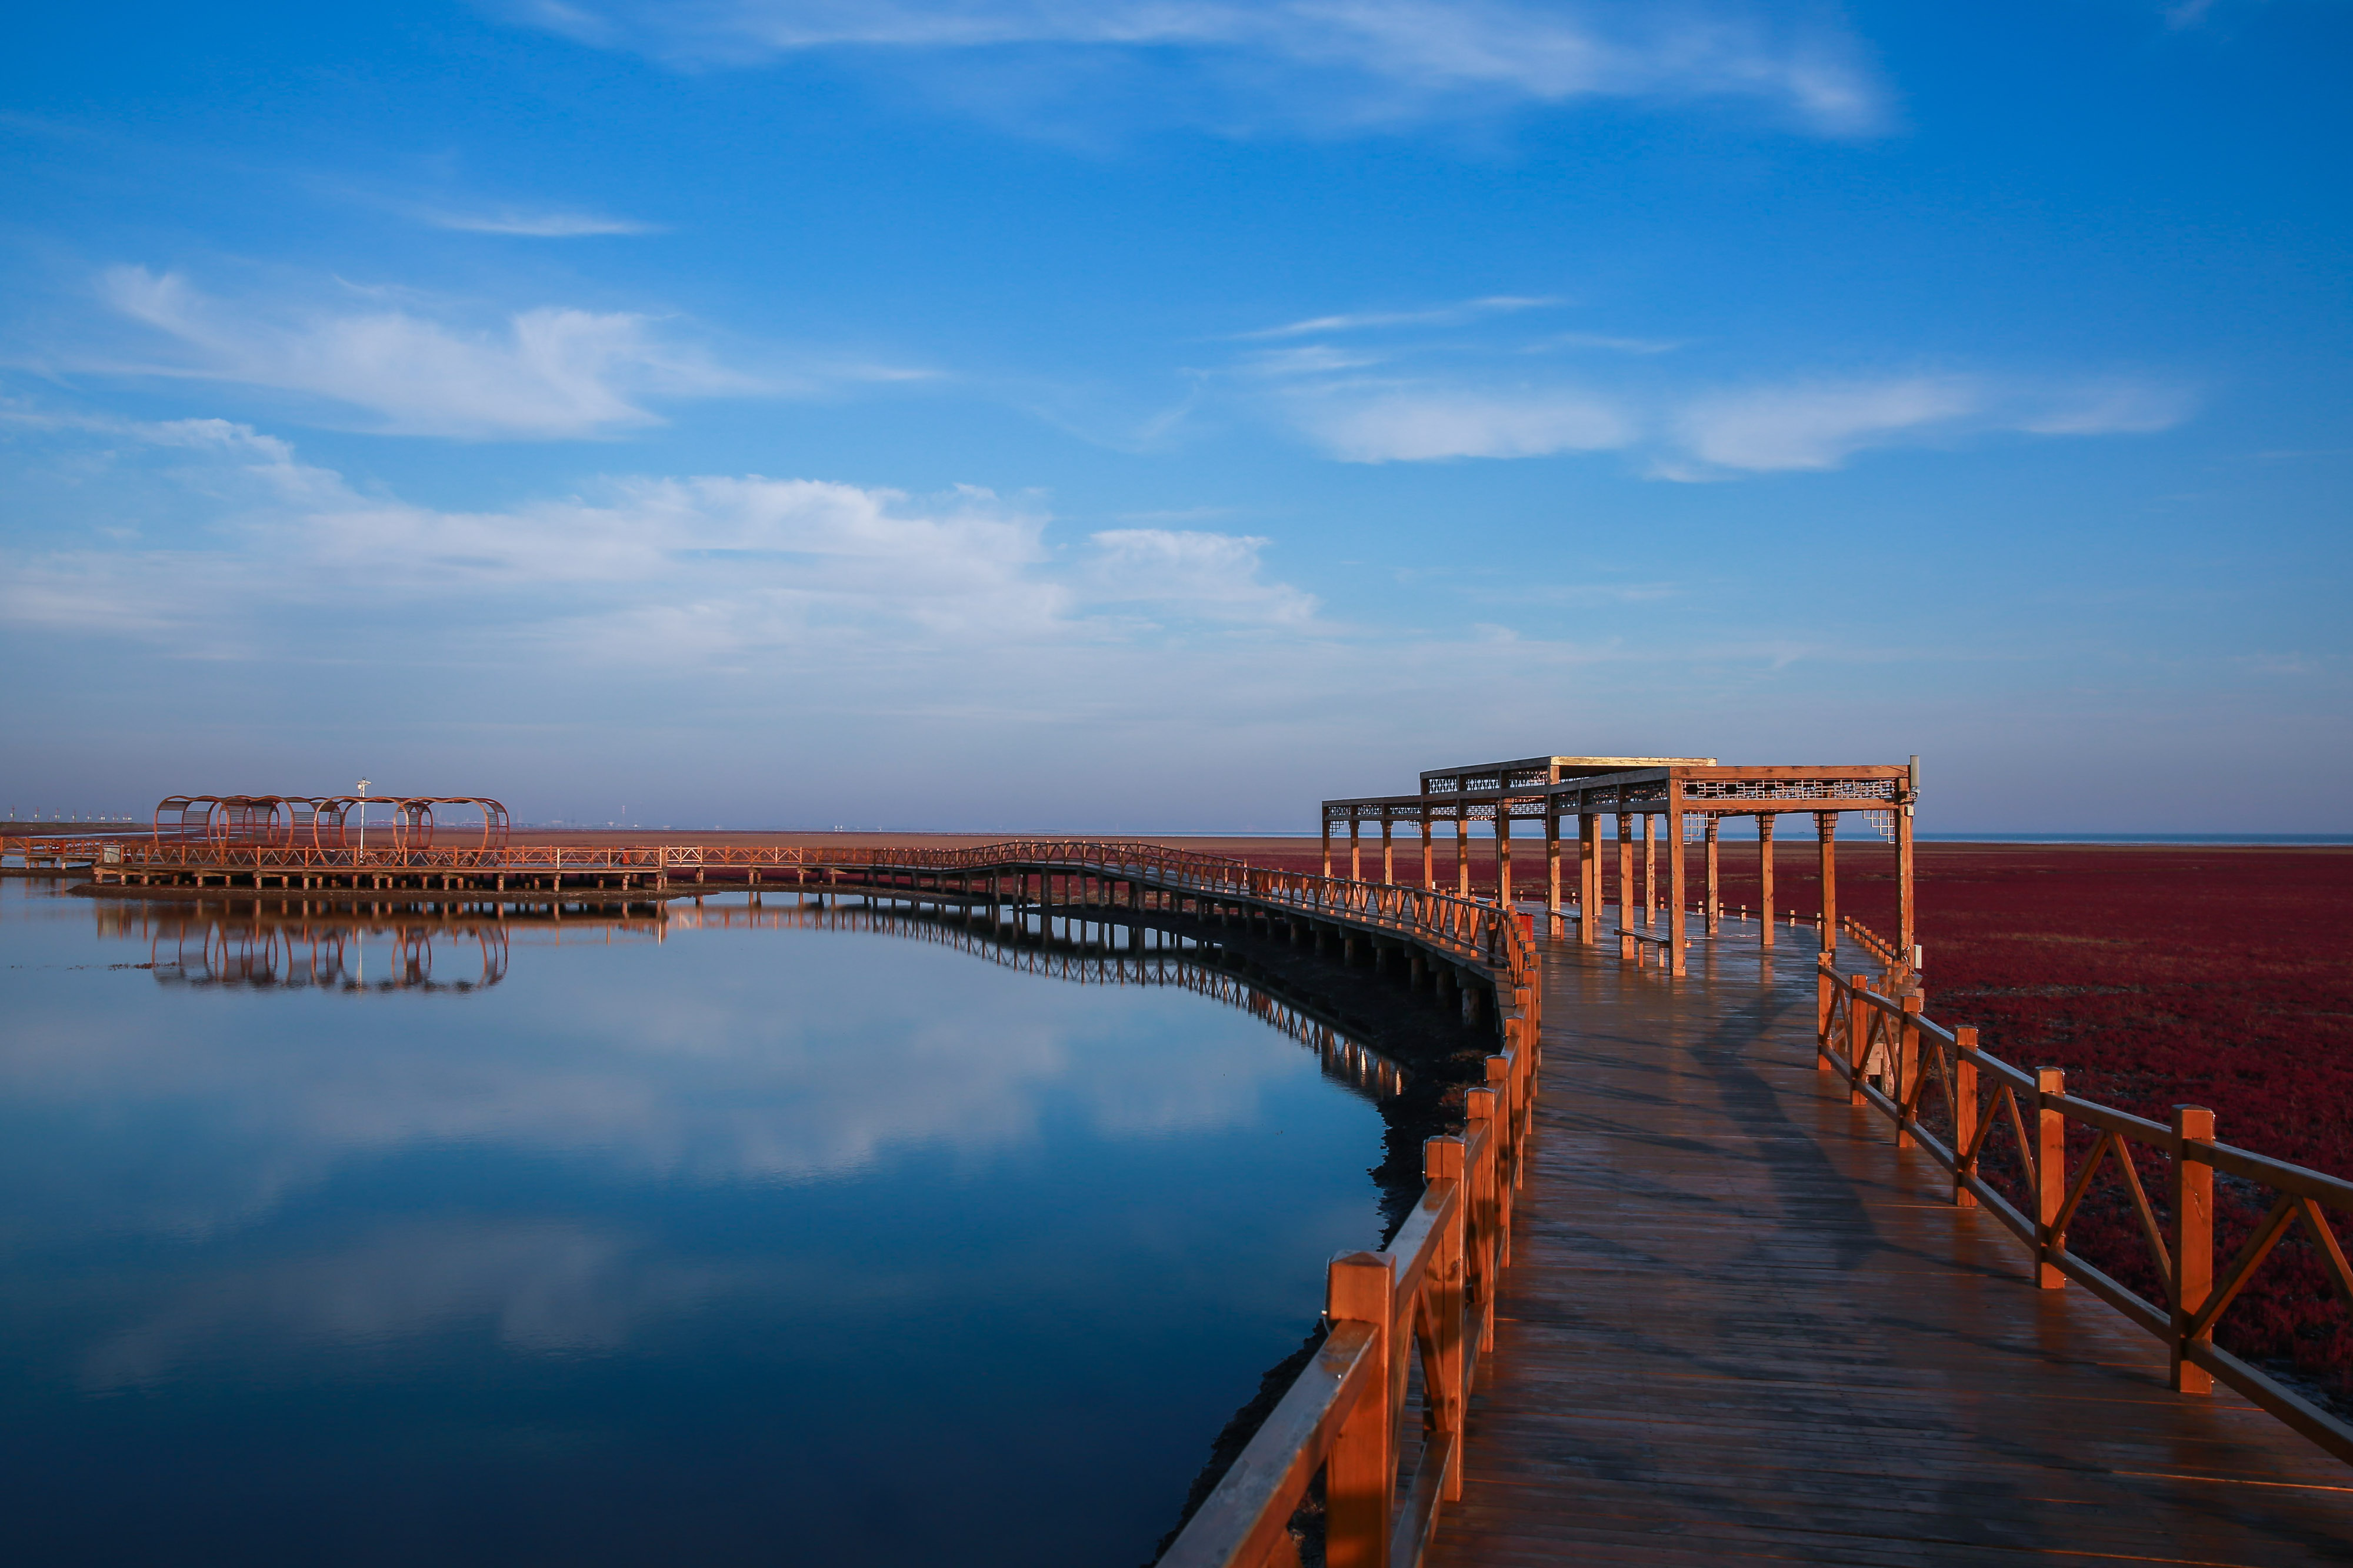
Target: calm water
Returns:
[768, 1245]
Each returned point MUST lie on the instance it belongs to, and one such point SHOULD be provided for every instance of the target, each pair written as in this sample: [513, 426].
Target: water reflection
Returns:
[264, 944]
[264, 947]
[640, 1240]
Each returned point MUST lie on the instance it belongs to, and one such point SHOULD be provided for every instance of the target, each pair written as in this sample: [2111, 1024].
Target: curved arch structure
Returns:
[322, 822]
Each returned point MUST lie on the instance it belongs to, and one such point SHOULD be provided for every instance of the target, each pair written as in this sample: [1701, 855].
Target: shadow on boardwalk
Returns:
[1740, 1325]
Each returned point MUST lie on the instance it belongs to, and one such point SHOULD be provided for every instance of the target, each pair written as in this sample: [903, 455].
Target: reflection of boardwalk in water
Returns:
[1152, 957]
[265, 945]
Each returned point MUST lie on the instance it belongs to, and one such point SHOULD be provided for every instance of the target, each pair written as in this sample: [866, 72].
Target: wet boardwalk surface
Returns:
[1741, 1326]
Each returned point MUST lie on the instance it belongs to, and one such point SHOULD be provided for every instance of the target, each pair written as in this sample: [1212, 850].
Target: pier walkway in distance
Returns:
[1739, 1325]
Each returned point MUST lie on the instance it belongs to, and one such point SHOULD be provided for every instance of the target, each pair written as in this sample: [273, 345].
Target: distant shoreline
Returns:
[525, 832]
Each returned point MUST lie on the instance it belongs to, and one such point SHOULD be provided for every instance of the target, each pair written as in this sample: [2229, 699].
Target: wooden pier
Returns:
[1739, 1324]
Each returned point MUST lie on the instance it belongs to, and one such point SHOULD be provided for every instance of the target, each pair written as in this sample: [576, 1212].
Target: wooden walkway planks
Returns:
[1741, 1326]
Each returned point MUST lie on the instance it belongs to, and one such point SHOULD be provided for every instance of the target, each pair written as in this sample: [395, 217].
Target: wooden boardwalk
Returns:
[1740, 1326]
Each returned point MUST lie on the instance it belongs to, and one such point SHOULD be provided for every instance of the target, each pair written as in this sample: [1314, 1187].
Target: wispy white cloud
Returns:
[1818, 424]
[1375, 422]
[1399, 390]
[1326, 62]
[1436, 316]
[1821, 424]
[552, 372]
[1210, 574]
[530, 225]
[1606, 342]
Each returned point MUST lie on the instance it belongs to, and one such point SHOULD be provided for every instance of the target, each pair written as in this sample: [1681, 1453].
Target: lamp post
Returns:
[360, 934]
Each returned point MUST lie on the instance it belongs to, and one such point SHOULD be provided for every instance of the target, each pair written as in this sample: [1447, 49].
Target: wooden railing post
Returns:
[2050, 1176]
[1964, 1116]
[1360, 1476]
[2193, 1242]
[1825, 1010]
[1480, 1189]
[1907, 1069]
[1859, 1014]
[1503, 1128]
[1448, 1384]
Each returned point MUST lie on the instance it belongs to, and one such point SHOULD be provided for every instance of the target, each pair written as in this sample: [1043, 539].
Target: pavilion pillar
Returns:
[1328, 843]
[1503, 855]
[1355, 848]
[1552, 865]
[1625, 871]
[1907, 932]
[1826, 848]
[1677, 894]
[1650, 870]
[1462, 851]
[1429, 853]
[1588, 877]
[1389, 851]
[1764, 821]
[1714, 877]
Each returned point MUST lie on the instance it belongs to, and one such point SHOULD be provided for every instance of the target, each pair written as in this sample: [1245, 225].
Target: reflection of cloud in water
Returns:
[550, 1288]
[768, 1057]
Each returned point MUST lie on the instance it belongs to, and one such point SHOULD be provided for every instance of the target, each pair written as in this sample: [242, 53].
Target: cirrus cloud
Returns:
[548, 373]
[1328, 64]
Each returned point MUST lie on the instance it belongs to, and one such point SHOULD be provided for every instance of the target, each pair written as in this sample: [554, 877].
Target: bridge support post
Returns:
[1552, 870]
[1355, 848]
[1388, 850]
[1625, 883]
[1714, 877]
[1764, 821]
[1589, 879]
[1677, 892]
[1429, 853]
[1650, 870]
[1906, 935]
[1504, 854]
[1826, 850]
[1462, 851]
[1328, 843]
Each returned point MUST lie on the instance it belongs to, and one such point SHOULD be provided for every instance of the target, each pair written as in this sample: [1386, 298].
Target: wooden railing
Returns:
[1889, 1053]
[1427, 1298]
[1465, 929]
[35, 852]
[1871, 942]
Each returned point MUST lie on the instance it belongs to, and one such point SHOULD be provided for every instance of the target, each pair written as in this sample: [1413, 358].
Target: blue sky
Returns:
[1161, 416]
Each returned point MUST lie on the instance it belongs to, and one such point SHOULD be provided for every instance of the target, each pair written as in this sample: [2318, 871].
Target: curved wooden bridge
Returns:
[1776, 1268]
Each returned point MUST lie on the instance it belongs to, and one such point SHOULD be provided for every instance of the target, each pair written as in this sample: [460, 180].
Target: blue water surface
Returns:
[630, 1243]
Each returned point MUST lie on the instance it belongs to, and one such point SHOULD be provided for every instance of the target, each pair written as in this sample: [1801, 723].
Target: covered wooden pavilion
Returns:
[1574, 794]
